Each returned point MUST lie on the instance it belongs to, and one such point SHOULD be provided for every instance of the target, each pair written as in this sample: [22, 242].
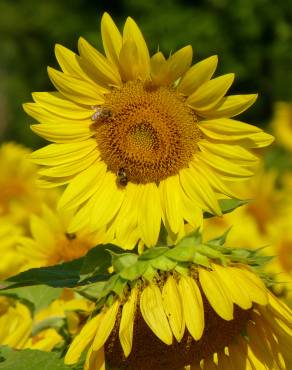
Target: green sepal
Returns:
[182, 254]
[149, 273]
[163, 263]
[191, 239]
[119, 286]
[200, 259]
[152, 253]
[123, 260]
[182, 268]
[135, 271]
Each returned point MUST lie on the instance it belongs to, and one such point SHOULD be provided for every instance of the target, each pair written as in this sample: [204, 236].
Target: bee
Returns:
[122, 178]
[101, 114]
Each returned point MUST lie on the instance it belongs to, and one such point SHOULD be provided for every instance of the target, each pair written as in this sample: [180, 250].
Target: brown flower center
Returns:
[149, 352]
[149, 133]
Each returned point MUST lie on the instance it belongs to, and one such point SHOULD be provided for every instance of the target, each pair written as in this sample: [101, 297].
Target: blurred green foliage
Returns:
[253, 38]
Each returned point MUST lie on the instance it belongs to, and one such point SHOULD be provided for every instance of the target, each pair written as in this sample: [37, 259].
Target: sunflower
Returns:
[50, 243]
[282, 124]
[19, 192]
[190, 305]
[140, 139]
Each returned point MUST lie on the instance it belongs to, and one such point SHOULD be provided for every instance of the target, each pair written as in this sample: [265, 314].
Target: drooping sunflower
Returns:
[50, 242]
[191, 305]
[139, 139]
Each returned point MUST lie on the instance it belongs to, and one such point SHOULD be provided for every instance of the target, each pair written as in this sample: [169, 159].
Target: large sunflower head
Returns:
[141, 139]
[193, 304]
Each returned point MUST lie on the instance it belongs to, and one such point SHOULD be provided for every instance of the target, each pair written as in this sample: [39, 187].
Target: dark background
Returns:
[253, 38]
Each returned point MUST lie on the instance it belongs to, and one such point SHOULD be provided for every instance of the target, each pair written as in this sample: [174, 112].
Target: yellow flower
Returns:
[15, 323]
[282, 124]
[45, 340]
[139, 139]
[217, 314]
[19, 192]
[50, 243]
[265, 221]
[69, 307]
[11, 261]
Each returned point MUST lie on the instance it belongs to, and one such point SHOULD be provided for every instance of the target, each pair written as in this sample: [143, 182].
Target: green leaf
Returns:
[30, 360]
[88, 269]
[40, 296]
[63, 275]
[227, 205]
[153, 253]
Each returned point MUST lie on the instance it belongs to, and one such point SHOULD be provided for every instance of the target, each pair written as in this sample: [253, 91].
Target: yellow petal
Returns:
[198, 189]
[213, 178]
[108, 200]
[80, 91]
[216, 294]
[111, 38]
[83, 186]
[149, 216]
[209, 94]
[233, 152]
[133, 33]
[62, 133]
[279, 309]
[226, 167]
[82, 340]
[127, 322]
[106, 325]
[175, 66]
[69, 62]
[191, 212]
[157, 65]
[252, 285]
[45, 116]
[41, 232]
[100, 68]
[129, 62]
[238, 296]
[55, 103]
[171, 202]
[178, 63]
[128, 215]
[172, 305]
[151, 307]
[95, 360]
[58, 154]
[230, 106]
[198, 74]
[193, 308]
[72, 168]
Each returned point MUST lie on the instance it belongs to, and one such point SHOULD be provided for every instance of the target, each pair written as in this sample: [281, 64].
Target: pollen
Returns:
[151, 132]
